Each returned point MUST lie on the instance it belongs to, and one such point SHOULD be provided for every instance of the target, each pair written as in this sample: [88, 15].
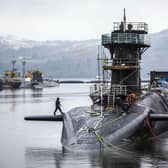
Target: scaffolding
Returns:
[121, 64]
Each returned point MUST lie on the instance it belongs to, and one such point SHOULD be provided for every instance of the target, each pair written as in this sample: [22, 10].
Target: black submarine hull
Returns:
[81, 131]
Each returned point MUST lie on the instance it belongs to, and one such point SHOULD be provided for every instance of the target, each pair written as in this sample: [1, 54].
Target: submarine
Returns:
[122, 111]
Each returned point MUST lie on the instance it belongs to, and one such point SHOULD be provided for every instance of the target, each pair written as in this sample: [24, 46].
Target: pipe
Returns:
[158, 117]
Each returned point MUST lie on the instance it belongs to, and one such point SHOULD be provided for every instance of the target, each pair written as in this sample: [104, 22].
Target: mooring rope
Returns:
[110, 146]
[100, 138]
[150, 128]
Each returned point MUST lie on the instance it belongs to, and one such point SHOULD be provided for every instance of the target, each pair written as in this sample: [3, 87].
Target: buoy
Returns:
[44, 118]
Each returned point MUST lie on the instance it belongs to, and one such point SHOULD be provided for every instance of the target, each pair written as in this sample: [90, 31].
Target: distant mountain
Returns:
[156, 57]
[73, 58]
[54, 58]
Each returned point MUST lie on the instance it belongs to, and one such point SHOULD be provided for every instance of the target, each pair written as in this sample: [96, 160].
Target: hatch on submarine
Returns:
[121, 108]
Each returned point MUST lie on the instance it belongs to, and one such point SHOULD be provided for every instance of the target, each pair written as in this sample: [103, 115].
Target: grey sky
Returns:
[76, 19]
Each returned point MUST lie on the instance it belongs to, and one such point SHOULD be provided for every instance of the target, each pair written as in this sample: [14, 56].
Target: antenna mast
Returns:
[124, 20]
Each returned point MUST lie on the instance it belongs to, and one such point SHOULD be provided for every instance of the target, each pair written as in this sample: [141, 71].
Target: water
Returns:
[35, 144]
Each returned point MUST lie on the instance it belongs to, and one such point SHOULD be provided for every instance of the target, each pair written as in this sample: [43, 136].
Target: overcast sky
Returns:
[76, 19]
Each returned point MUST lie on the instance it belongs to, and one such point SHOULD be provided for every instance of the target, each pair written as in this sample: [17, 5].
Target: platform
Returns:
[44, 118]
[119, 67]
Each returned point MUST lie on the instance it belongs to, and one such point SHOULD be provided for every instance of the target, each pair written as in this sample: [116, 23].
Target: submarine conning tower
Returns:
[126, 44]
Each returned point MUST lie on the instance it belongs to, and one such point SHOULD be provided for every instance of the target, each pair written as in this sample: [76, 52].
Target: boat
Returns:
[15, 83]
[49, 82]
[1, 84]
[37, 80]
[121, 113]
[10, 80]
[36, 85]
[33, 79]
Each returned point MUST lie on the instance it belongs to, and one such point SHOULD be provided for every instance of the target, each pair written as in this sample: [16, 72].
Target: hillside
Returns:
[73, 58]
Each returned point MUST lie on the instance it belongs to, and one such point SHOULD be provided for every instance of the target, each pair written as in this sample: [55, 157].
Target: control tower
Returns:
[126, 44]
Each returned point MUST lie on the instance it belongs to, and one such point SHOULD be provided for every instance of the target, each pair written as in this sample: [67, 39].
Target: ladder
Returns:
[116, 90]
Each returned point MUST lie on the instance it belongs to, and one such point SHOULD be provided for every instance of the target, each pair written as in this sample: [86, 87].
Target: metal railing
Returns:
[97, 88]
[118, 89]
[115, 88]
[106, 39]
[110, 91]
[127, 38]
[136, 26]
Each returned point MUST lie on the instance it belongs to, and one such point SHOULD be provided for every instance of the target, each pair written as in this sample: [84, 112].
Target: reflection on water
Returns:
[58, 159]
[37, 144]
[46, 157]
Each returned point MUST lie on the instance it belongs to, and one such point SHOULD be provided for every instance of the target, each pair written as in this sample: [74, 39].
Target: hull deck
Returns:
[81, 131]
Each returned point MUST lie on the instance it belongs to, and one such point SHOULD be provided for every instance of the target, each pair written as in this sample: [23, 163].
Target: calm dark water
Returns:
[35, 144]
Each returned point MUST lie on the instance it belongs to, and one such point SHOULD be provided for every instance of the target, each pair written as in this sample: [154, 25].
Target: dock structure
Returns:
[126, 44]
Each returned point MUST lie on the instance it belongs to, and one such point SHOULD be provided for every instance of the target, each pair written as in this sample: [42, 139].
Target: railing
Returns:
[116, 89]
[127, 38]
[136, 26]
[119, 89]
[106, 39]
[110, 91]
[97, 88]
[120, 62]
